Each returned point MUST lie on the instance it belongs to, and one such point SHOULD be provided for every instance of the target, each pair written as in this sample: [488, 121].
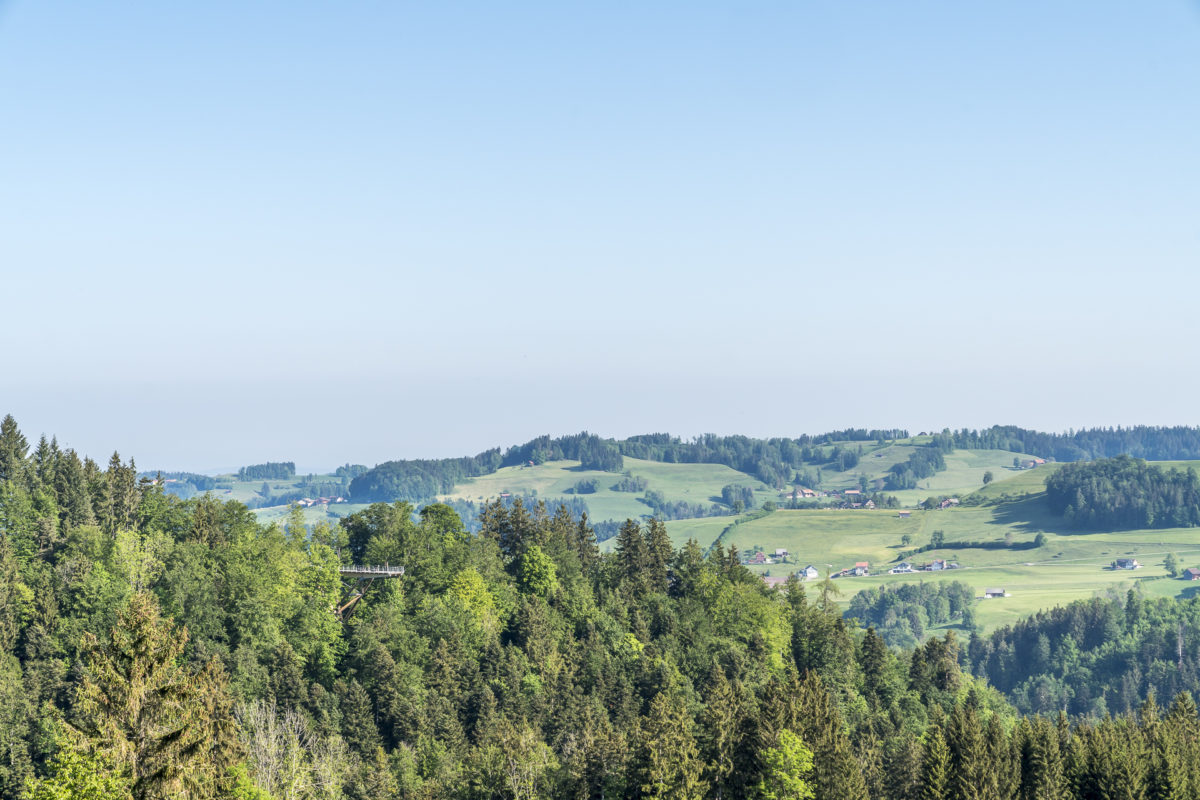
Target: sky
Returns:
[352, 232]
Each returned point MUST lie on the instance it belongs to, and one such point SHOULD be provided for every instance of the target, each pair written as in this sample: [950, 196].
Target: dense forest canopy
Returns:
[1124, 493]
[1094, 656]
[154, 647]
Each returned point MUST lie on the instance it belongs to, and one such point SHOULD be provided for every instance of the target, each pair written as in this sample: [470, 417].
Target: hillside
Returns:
[1011, 513]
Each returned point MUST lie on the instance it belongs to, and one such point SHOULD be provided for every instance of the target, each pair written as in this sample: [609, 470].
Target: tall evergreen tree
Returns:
[13, 447]
[671, 767]
[143, 711]
[835, 770]
[935, 765]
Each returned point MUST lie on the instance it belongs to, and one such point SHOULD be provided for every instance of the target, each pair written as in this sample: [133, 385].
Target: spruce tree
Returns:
[720, 730]
[836, 771]
[632, 558]
[13, 447]
[935, 765]
[659, 552]
[161, 725]
[671, 766]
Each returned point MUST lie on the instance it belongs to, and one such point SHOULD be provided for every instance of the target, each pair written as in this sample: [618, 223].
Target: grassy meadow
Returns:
[692, 483]
[1071, 565]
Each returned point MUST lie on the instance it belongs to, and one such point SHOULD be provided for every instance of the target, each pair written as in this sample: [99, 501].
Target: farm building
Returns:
[1126, 563]
[809, 573]
[1191, 574]
[991, 593]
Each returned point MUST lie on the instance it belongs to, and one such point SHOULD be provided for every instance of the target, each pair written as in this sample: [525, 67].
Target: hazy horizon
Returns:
[234, 234]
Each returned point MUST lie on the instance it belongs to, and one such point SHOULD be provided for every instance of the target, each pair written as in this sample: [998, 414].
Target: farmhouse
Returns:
[991, 593]
[1126, 563]
[1191, 574]
[861, 568]
[904, 514]
[781, 552]
[900, 569]
[809, 573]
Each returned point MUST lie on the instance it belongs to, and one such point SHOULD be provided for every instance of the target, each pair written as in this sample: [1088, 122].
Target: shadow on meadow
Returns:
[1030, 515]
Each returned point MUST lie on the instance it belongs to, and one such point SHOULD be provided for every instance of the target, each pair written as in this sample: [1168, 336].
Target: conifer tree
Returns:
[835, 770]
[632, 558]
[1043, 768]
[140, 709]
[670, 761]
[720, 730]
[972, 775]
[935, 765]
[13, 447]
[873, 662]
[70, 485]
[659, 552]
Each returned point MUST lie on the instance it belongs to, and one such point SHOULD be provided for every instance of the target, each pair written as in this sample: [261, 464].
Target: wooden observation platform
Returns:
[356, 579]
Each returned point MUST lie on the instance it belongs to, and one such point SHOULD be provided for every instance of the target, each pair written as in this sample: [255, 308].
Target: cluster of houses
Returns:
[760, 557]
[319, 501]
[852, 498]
[937, 565]
[861, 569]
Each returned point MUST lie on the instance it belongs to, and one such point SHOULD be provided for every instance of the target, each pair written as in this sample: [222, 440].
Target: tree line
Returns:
[270, 471]
[1154, 443]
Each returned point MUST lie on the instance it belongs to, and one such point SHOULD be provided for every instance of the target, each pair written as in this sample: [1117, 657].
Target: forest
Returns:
[901, 613]
[153, 647]
[1124, 493]
[1094, 657]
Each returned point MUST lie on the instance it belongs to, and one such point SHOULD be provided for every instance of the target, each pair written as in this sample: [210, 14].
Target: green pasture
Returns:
[693, 483]
[964, 474]
[1070, 565]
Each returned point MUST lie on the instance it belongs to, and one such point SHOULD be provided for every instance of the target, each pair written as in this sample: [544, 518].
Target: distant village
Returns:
[306, 502]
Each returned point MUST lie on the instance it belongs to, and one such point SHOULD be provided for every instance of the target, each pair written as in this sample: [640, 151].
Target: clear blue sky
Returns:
[233, 232]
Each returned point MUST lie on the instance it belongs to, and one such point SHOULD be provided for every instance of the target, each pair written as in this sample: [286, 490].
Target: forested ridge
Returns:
[153, 647]
[777, 461]
[1154, 443]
